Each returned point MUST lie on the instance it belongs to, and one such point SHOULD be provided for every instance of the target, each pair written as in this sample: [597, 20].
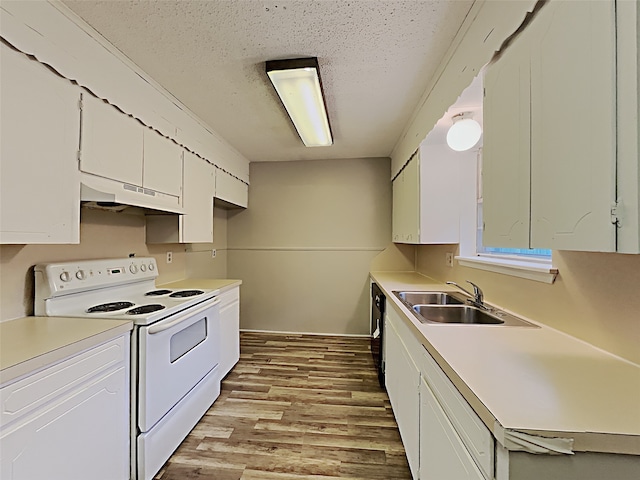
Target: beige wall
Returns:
[595, 297]
[102, 235]
[304, 247]
[107, 235]
[199, 261]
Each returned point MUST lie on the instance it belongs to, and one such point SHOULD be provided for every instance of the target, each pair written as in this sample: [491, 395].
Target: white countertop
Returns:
[533, 380]
[205, 283]
[31, 343]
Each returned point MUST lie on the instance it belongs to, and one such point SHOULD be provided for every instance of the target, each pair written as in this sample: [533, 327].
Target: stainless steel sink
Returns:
[453, 308]
[430, 298]
[457, 314]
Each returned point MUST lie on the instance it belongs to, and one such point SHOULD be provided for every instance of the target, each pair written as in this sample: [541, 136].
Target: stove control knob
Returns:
[80, 275]
[65, 277]
[133, 268]
[143, 268]
[151, 267]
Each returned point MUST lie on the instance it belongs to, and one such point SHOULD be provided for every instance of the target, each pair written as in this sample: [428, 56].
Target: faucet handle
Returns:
[477, 292]
[461, 288]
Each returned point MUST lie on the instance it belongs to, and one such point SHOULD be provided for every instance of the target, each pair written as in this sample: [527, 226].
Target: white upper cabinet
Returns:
[162, 165]
[198, 179]
[118, 147]
[439, 192]
[406, 203]
[197, 200]
[549, 173]
[573, 126]
[425, 197]
[506, 149]
[40, 128]
[231, 190]
[112, 142]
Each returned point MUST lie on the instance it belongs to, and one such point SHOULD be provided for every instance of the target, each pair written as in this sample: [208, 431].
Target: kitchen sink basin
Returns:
[430, 298]
[457, 314]
[453, 308]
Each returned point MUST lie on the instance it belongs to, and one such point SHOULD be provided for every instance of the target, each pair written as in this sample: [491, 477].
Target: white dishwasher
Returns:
[69, 421]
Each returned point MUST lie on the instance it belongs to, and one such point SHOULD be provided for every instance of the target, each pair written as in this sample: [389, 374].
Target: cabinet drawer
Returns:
[475, 435]
[24, 396]
[229, 297]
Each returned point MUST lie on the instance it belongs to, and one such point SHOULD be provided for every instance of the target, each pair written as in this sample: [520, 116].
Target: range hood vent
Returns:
[106, 194]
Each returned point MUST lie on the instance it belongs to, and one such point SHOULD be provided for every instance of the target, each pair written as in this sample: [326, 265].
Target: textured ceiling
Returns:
[376, 59]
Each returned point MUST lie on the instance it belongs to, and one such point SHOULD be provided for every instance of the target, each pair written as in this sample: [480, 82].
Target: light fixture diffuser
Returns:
[464, 133]
[297, 82]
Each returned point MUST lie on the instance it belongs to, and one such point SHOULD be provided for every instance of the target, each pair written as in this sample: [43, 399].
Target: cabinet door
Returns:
[406, 204]
[40, 129]
[82, 435]
[70, 420]
[573, 125]
[506, 149]
[162, 166]
[402, 379]
[231, 190]
[199, 183]
[396, 220]
[439, 193]
[111, 142]
[229, 330]
[442, 453]
[411, 200]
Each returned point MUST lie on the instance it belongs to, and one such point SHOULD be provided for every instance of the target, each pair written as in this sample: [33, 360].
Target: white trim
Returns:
[308, 249]
[531, 270]
[277, 332]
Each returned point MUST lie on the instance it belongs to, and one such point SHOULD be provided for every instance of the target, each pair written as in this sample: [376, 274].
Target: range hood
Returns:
[115, 195]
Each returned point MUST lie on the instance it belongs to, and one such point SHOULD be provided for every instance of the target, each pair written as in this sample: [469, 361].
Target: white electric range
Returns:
[174, 344]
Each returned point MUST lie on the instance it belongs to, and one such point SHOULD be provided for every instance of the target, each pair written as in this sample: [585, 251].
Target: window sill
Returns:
[531, 270]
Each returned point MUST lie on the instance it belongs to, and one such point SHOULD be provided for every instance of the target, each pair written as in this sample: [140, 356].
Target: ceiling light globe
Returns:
[463, 134]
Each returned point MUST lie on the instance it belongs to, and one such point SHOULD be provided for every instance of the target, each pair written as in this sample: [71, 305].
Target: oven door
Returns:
[174, 354]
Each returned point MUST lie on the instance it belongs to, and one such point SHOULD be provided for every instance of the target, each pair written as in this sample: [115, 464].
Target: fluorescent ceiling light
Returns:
[464, 133]
[298, 84]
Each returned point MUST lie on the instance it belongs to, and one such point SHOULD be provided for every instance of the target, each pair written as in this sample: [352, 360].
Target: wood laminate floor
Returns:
[295, 407]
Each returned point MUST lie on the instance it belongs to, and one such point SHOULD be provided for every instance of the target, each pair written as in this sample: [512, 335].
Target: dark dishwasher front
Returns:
[377, 330]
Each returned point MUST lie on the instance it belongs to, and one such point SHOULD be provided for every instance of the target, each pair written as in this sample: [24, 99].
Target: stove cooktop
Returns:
[143, 306]
[116, 288]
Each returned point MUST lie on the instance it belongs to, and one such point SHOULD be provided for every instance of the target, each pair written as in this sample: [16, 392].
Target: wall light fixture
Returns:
[464, 133]
[297, 82]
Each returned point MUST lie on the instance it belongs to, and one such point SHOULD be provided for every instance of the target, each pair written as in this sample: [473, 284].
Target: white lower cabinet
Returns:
[402, 379]
[71, 420]
[229, 330]
[443, 437]
[443, 455]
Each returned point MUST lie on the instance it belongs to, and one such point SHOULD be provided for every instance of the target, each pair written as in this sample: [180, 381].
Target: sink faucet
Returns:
[478, 296]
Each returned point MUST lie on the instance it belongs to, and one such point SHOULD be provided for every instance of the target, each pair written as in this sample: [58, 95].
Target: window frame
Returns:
[523, 266]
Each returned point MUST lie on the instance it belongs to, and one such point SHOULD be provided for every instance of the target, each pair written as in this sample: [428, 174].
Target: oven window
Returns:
[187, 339]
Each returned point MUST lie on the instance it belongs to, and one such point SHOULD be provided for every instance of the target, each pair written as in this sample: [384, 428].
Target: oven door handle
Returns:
[162, 326]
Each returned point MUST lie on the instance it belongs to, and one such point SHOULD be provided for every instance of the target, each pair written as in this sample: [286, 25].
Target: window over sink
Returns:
[533, 264]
